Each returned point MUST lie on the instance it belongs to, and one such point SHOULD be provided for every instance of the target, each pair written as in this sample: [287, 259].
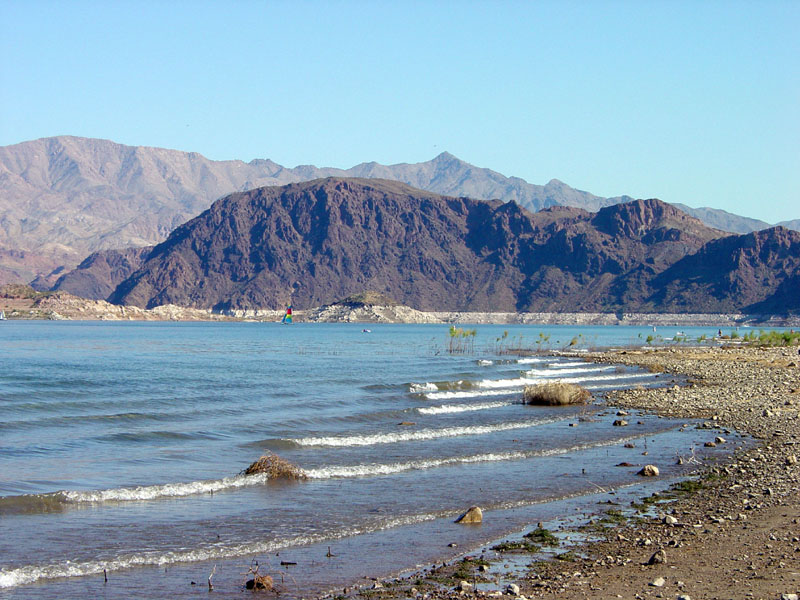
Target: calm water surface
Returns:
[121, 446]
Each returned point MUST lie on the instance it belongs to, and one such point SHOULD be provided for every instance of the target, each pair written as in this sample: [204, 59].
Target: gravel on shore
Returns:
[733, 533]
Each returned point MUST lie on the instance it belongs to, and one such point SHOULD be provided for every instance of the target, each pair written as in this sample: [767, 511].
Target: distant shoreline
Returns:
[63, 306]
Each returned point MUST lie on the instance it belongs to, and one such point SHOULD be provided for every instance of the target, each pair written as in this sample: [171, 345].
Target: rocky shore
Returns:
[65, 306]
[734, 532]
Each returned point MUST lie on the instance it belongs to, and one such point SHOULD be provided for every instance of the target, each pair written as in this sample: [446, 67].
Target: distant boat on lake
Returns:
[287, 318]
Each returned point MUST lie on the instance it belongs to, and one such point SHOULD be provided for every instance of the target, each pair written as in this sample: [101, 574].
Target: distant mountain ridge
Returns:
[62, 198]
[315, 242]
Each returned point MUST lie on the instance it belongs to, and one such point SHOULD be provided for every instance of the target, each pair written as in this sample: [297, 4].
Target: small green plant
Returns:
[518, 546]
[614, 516]
[778, 338]
[688, 486]
[542, 536]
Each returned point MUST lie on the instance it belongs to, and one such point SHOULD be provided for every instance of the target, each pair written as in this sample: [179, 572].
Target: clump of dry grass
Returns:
[555, 394]
[276, 468]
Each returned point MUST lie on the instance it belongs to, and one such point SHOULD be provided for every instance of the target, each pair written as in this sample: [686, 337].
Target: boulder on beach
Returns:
[555, 394]
[275, 467]
[473, 515]
[649, 471]
[658, 558]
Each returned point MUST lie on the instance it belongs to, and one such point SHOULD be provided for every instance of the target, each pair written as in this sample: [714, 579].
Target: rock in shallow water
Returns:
[473, 515]
[649, 471]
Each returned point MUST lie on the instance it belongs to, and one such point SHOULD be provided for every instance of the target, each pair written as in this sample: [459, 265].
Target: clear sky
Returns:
[695, 102]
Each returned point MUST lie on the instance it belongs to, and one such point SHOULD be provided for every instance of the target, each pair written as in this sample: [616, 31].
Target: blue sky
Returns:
[693, 102]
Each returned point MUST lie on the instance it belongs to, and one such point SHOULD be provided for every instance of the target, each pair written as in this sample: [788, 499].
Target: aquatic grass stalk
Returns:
[462, 341]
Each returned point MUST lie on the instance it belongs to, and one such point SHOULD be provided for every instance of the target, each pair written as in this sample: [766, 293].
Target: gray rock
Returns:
[649, 471]
[513, 589]
[464, 586]
[659, 558]
[658, 582]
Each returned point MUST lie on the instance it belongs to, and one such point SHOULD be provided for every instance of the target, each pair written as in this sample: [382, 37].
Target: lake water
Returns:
[121, 446]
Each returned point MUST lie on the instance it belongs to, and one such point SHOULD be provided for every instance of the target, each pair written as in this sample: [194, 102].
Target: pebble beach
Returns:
[731, 532]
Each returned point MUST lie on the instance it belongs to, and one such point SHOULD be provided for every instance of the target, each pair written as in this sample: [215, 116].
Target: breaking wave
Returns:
[423, 434]
[459, 408]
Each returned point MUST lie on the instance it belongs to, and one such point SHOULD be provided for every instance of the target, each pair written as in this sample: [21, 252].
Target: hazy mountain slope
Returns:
[722, 219]
[62, 198]
[793, 224]
[319, 241]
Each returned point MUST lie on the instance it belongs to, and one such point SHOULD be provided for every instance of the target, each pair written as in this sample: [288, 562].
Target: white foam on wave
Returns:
[32, 573]
[485, 363]
[503, 387]
[561, 371]
[420, 388]
[533, 360]
[459, 408]
[377, 469]
[389, 469]
[607, 378]
[453, 395]
[421, 435]
[166, 490]
[516, 382]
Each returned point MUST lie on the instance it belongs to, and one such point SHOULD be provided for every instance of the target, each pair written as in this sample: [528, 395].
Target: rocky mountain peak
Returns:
[639, 217]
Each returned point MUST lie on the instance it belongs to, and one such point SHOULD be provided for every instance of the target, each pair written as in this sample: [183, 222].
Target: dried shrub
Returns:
[259, 583]
[555, 394]
[276, 468]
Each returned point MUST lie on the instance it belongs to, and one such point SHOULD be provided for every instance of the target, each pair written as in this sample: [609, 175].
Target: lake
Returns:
[122, 443]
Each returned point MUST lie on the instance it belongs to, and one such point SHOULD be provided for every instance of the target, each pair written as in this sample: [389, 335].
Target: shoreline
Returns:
[61, 306]
[733, 533]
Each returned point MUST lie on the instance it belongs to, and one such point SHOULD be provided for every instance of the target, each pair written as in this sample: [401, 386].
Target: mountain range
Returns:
[315, 242]
[63, 198]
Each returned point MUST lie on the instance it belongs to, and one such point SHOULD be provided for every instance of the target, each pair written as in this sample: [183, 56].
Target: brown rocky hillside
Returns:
[319, 241]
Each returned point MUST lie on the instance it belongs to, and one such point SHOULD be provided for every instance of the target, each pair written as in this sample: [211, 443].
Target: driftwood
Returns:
[259, 583]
